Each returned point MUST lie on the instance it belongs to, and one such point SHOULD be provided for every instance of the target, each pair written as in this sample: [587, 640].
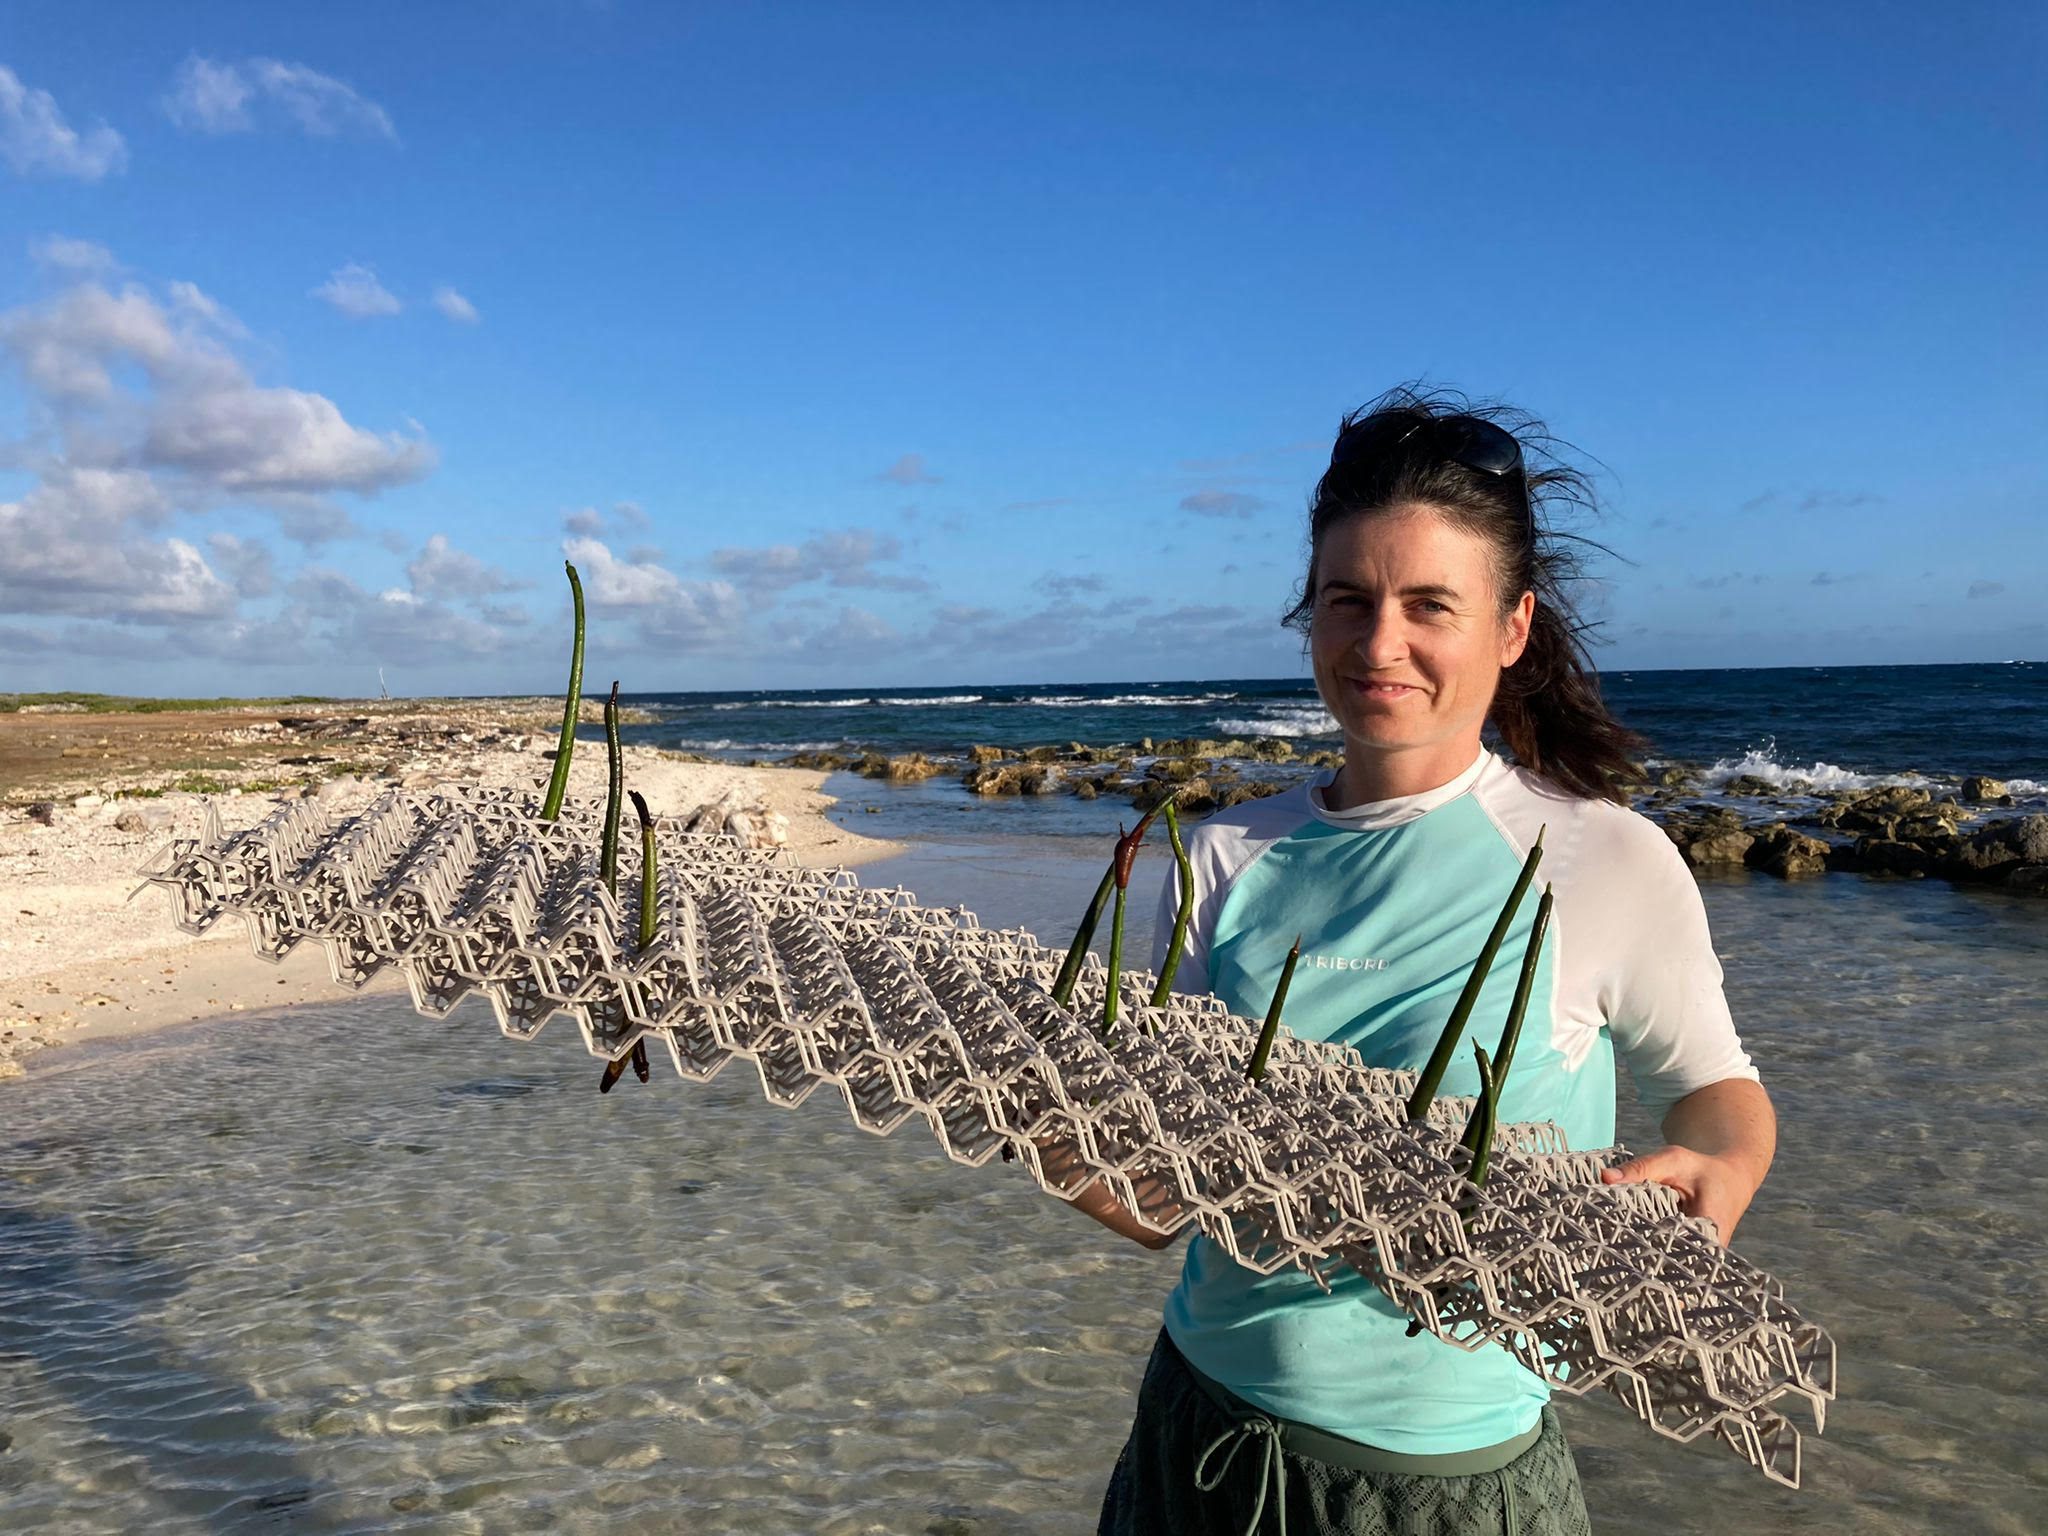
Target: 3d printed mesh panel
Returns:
[911, 1013]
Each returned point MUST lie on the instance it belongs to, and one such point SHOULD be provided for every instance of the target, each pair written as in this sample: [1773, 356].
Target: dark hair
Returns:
[1548, 709]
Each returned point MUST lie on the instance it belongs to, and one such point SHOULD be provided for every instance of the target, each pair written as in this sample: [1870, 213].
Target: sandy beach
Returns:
[90, 797]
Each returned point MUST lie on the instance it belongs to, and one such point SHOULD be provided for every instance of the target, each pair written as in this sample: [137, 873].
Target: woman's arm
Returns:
[1058, 1158]
[1721, 1141]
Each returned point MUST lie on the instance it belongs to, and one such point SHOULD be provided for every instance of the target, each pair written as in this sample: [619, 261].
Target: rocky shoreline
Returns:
[1967, 834]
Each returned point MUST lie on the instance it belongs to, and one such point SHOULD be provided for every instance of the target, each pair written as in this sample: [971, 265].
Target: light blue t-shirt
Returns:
[1393, 901]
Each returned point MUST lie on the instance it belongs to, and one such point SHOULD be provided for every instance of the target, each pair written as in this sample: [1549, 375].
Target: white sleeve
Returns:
[1661, 985]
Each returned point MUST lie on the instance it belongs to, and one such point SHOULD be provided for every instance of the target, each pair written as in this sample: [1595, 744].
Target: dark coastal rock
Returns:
[1780, 851]
[828, 762]
[1272, 749]
[1085, 790]
[1980, 790]
[1011, 779]
[1325, 759]
[43, 813]
[1729, 845]
[1192, 797]
[1882, 855]
[1676, 776]
[912, 768]
[1997, 851]
[1042, 755]
[1177, 770]
[981, 757]
[1248, 789]
[2028, 880]
[1749, 784]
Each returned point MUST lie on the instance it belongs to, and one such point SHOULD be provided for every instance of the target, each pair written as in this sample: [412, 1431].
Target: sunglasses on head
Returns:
[1467, 440]
[1464, 440]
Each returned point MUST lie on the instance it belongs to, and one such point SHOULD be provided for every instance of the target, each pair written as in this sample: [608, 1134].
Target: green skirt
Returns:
[1193, 1467]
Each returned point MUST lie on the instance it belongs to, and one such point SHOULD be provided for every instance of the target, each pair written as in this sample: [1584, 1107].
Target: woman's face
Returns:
[1408, 642]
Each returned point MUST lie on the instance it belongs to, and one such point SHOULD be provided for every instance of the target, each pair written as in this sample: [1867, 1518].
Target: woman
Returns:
[1433, 604]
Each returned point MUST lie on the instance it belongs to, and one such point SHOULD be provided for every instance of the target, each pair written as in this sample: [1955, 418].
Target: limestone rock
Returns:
[131, 820]
[981, 757]
[1780, 851]
[1986, 791]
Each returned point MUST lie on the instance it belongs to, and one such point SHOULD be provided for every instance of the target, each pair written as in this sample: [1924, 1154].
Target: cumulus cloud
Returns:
[214, 97]
[908, 470]
[667, 610]
[455, 306]
[354, 290]
[69, 547]
[1221, 503]
[845, 558]
[35, 139]
[1986, 588]
[442, 570]
[246, 563]
[151, 416]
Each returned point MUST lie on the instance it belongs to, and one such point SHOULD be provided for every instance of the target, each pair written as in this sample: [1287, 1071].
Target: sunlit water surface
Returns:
[346, 1269]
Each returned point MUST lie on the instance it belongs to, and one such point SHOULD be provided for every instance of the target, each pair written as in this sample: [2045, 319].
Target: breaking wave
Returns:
[1314, 721]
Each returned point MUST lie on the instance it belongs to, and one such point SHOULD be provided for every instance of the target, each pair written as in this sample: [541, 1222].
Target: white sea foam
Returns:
[1817, 776]
[727, 744]
[1125, 700]
[944, 698]
[1283, 721]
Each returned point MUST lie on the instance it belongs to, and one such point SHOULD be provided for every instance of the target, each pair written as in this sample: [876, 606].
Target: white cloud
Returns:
[354, 290]
[36, 140]
[584, 522]
[68, 547]
[62, 254]
[908, 470]
[151, 416]
[215, 97]
[669, 612]
[441, 570]
[455, 306]
[844, 558]
[251, 440]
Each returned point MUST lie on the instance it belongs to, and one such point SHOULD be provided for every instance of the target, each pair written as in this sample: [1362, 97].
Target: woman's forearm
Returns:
[1731, 1120]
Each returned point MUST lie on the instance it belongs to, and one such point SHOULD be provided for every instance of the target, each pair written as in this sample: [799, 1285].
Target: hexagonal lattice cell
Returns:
[915, 1014]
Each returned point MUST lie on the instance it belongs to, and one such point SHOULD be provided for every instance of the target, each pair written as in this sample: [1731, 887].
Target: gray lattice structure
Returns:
[914, 1013]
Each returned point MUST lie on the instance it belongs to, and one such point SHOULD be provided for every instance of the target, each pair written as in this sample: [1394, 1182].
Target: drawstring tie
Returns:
[1273, 1473]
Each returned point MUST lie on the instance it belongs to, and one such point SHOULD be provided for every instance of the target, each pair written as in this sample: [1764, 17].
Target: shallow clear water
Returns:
[346, 1269]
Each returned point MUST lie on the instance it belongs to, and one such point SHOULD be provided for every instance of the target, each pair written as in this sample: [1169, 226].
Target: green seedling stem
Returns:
[1181, 917]
[649, 873]
[1524, 985]
[1479, 1129]
[1447, 1043]
[615, 780]
[1271, 1032]
[1070, 972]
[558, 783]
[1126, 855]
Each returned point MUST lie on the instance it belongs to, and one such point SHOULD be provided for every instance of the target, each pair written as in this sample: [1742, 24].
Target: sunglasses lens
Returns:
[1486, 448]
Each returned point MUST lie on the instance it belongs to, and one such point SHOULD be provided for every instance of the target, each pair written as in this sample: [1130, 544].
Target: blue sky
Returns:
[886, 344]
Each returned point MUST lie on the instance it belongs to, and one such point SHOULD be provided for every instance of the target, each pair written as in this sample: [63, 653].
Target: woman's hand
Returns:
[1713, 1187]
[1722, 1138]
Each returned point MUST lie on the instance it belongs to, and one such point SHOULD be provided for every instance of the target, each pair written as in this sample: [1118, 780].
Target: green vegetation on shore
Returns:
[120, 704]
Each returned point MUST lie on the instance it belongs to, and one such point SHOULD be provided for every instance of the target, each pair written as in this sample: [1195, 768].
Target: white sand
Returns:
[79, 960]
